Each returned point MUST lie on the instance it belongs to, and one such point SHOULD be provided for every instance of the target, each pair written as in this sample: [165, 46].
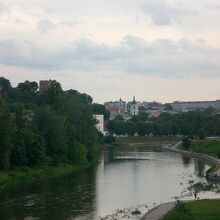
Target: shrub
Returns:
[136, 212]
[186, 143]
[109, 139]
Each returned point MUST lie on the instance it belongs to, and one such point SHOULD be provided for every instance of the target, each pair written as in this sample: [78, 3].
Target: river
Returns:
[126, 178]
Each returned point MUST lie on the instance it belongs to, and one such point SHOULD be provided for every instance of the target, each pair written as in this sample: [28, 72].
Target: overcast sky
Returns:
[162, 50]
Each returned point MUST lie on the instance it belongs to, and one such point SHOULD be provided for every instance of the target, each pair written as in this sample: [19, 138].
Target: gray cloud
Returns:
[163, 12]
[45, 25]
[134, 55]
[24, 54]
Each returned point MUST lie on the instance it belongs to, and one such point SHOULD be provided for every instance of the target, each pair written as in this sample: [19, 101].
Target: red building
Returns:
[44, 85]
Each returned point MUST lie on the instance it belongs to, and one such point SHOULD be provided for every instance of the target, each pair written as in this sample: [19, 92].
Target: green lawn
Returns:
[209, 147]
[198, 210]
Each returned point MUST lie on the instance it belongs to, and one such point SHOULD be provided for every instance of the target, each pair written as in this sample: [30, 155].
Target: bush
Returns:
[186, 143]
[136, 212]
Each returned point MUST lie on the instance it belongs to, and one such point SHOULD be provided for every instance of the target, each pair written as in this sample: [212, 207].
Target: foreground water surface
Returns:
[125, 178]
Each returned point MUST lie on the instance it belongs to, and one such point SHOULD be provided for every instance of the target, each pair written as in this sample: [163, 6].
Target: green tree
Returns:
[35, 147]
[100, 110]
[142, 128]
[131, 128]
[31, 87]
[18, 155]
[5, 86]
[55, 97]
[6, 135]
[186, 143]
[52, 126]
[141, 117]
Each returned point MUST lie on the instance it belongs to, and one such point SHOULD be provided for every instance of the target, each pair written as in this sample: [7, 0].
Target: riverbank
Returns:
[142, 142]
[195, 210]
[210, 147]
[159, 211]
[22, 175]
[213, 173]
[168, 209]
[145, 140]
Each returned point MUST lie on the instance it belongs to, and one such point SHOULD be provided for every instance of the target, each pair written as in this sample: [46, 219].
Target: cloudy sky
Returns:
[161, 50]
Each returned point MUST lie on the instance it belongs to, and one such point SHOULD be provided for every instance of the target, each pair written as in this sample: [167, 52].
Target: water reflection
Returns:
[125, 177]
[133, 176]
[62, 198]
[186, 161]
[200, 168]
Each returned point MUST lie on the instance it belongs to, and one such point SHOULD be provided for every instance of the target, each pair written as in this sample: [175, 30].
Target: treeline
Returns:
[50, 128]
[195, 123]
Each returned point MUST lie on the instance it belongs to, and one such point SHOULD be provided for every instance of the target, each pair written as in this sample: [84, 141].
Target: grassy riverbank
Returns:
[146, 140]
[198, 210]
[26, 174]
[209, 147]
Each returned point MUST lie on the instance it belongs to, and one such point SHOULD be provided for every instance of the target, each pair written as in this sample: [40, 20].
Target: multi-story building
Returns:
[117, 106]
[152, 105]
[127, 109]
[193, 106]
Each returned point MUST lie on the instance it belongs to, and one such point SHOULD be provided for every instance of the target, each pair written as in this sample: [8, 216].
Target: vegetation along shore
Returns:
[44, 133]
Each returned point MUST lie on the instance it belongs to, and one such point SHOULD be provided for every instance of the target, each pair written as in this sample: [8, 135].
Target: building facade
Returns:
[133, 108]
[193, 106]
[100, 123]
[44, 85]
[117, 106]
[126, 110]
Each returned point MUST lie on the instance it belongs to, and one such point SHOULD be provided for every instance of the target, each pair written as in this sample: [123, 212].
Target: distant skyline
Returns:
[159, 50]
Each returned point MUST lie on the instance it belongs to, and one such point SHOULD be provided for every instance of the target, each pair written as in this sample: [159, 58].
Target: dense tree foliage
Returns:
[54, 127]
[100, 110]
[195, 123]
[6, 135]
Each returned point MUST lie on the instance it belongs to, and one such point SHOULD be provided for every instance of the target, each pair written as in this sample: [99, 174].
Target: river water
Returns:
[125, 179]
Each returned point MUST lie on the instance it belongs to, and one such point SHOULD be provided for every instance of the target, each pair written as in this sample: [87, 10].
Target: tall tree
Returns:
[6, 135]
[52, 126]
[5, 86]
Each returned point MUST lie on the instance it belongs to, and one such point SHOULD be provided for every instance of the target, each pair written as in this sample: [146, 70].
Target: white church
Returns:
[133, 108]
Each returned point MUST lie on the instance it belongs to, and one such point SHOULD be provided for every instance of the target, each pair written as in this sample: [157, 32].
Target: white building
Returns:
[193, 106]
[100, 123]
[133, 108]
